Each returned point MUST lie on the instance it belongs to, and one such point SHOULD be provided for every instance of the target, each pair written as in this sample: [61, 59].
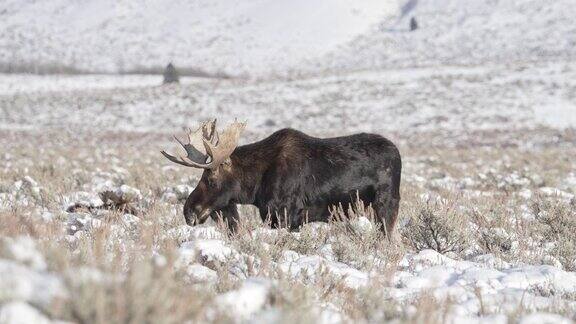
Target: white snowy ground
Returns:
[462, 101]
[493, 96]
[483, 285]
[478, 288]
[13, 84]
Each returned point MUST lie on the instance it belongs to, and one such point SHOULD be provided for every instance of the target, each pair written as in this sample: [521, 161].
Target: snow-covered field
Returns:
[449, 98]
[486, 217]
[481, 101]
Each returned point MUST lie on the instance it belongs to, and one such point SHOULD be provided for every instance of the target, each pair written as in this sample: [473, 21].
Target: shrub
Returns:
[436, 227]
[557, 221]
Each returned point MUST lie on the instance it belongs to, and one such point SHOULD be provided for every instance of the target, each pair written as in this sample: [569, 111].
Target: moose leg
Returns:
[268, 217]
[229, 216]
[386, 208]
[276, 216]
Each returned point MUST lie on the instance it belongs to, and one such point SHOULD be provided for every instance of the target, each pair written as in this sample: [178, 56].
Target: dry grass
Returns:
[122, 273]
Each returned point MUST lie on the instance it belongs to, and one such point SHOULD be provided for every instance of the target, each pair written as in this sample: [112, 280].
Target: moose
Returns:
[292, 178]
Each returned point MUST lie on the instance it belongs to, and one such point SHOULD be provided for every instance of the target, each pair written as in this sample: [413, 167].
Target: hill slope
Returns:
[230, 36]
[259, 37]
[464, 33]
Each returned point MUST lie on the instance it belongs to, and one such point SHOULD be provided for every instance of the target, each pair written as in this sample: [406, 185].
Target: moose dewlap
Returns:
[289, 176]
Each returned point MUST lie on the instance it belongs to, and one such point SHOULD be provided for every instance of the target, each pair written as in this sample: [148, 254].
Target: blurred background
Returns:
[326, 67]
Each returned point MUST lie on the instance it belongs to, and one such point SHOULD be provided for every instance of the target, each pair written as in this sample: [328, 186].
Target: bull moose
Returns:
[289, 176]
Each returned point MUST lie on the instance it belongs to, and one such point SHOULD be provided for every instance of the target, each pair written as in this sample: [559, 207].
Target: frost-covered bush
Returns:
[558, 217]
[493, 224]
[437, 227]
[557, 221]
[495, 240]
[311, 239]
[97, 296]
[362, 244]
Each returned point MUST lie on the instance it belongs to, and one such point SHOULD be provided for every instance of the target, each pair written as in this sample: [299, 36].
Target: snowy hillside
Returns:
[259, 37]
[464, 32]
[216, 35]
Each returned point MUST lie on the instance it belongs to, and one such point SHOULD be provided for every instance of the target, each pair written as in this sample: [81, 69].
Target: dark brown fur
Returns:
[292, 178]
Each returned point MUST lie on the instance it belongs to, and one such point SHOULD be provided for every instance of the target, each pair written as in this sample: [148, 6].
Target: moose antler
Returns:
[214, 146]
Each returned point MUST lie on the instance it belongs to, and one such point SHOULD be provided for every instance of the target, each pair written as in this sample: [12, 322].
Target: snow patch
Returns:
[18, 282]
[21, 313]
[250, 298]
[24, 250]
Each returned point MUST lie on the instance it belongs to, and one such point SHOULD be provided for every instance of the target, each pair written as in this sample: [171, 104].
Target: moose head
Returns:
[219, 186]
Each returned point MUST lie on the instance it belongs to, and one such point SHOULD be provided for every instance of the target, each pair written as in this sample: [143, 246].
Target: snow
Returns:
[528, 276]
[83, 199]
[362, 225]
[448, 278]
[207, 251]
[130, 220]
[313, 265]
[569, 183]
[539, 318]
[177, 193]
[200, 273]
[448, 98]
[383, 102]
[21, 313]
[247, 300]
[18, 282]
[463, 282]
[186, 233]
[128, 193]
[217, 35]
[263, 37]
[11, 84]
[557, 113]
[23, 249]
[463, 33]
[82, 222]
[555, 192]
